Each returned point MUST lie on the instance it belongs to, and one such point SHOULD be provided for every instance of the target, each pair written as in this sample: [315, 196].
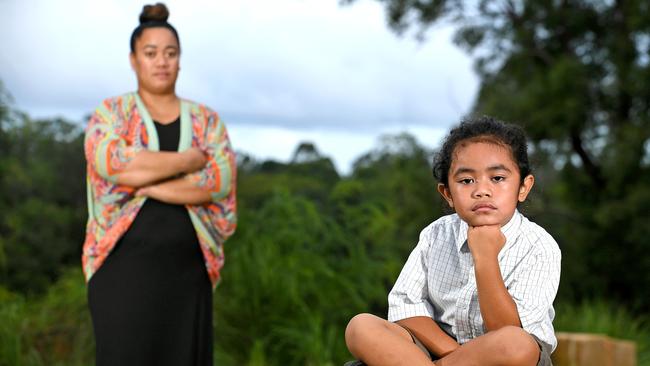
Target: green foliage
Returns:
[573, 73]
[12, 316]
[42, 205]
[55, 329]
[309, 174]
[52, 329]
[313, 249]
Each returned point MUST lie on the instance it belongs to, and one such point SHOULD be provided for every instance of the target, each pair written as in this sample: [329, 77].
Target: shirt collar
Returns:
[510, 230]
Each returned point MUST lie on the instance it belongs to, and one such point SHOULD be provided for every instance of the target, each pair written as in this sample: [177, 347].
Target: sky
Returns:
[278, 72]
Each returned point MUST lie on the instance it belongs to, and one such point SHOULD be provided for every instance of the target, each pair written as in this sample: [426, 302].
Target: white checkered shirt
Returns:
[438, 278]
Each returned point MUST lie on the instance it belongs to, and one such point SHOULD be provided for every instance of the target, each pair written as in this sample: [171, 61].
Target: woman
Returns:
[161, 199]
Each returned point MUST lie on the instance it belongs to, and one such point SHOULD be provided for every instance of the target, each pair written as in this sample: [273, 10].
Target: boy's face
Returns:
[484, 184]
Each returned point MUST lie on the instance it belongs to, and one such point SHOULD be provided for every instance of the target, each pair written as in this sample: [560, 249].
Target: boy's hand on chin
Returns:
[485, 242]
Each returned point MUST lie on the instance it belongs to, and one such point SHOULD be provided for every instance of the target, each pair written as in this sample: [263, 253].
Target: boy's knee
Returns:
[358, 324]
[359, 328]
[518, 347]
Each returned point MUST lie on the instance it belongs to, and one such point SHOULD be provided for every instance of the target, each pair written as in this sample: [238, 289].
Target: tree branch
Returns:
[590, 167]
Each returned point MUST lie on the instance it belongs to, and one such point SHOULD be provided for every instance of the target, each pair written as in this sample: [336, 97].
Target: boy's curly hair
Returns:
[482, 129]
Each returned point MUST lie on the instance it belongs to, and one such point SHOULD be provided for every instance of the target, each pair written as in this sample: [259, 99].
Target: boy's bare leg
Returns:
[508, 346]
[378, 342]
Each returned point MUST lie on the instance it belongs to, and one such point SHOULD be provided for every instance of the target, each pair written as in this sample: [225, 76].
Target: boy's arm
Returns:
[498, 308]
[534, 286]
[430, 334]
[409, 303]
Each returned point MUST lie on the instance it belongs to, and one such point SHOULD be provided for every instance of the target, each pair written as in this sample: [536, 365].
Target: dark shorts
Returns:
[419, 344]
[544, 352]
[544, 349]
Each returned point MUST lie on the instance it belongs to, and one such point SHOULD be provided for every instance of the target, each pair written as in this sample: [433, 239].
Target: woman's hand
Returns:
[147, 191]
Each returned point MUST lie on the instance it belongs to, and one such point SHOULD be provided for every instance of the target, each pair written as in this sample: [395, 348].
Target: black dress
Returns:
[151, 300]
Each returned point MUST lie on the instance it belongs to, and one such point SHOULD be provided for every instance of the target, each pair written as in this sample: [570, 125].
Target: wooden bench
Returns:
[582, 349]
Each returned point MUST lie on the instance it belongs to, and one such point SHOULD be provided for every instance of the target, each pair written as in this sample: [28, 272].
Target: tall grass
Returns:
[12, 315]
[54, 329]
[279, 320]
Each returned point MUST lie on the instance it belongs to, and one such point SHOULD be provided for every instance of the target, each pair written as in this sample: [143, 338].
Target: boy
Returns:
[479, 286]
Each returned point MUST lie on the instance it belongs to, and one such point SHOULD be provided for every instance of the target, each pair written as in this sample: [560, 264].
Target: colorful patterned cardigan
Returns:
[121, 127]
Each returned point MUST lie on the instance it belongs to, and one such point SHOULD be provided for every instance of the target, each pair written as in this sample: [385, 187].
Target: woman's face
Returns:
[156, 60]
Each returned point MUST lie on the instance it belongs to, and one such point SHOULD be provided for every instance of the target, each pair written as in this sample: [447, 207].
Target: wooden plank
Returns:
[582, 349]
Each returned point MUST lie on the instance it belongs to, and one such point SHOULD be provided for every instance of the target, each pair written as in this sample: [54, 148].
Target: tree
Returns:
[574, 74]
[397, 175]
[42, 200]
[305, 152]
[5, 100]
[308, 174]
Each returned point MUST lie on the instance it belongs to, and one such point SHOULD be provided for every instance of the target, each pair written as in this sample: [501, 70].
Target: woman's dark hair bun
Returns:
[154, 13]
[152, 16]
